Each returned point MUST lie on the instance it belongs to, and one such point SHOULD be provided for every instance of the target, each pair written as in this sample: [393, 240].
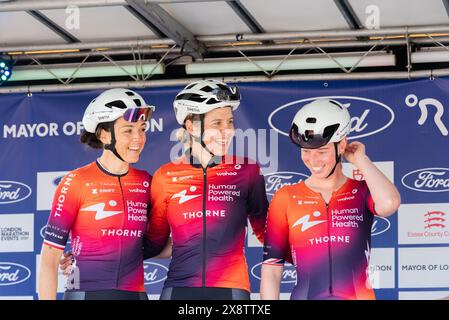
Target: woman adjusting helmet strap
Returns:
[202, 96]
[111, 105]
[321, 122]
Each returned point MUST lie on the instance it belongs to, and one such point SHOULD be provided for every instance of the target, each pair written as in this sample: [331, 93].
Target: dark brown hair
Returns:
[92, 139]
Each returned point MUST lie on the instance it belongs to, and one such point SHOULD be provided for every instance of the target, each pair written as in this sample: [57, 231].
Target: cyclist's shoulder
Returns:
[139, 173]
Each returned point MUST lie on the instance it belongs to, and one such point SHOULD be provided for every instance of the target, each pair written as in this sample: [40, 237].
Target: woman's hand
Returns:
[355, 152]
[66, 262]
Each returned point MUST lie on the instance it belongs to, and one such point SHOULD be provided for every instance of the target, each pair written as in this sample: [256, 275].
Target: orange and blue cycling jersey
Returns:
[329, 243]
[106, 217]
[206, 211]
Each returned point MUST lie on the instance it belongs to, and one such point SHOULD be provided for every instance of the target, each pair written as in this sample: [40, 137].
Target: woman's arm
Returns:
[385, 195]
[166, 252]
[48, 272]
[270, 281]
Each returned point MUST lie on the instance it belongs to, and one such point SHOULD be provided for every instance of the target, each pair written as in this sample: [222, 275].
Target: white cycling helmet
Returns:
[113, 104]
[320, 122]
[202, 96]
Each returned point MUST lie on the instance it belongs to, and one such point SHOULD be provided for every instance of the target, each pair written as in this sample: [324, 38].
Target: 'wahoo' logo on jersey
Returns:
[427, 180]
[13, 273]
[306, 224]
[183, 197]
[368, 116]
[11, 192]
[100, 213]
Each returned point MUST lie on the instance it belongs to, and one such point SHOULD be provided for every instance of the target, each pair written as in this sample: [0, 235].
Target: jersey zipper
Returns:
[204, 227]
[331, 289]
[121, 238]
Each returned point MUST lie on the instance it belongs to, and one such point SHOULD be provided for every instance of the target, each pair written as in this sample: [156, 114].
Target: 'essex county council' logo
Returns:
[368, 116]
[11, 192]
[154, 272]
[13, 273]
[276, 180]
[427, 180]
[288, 275]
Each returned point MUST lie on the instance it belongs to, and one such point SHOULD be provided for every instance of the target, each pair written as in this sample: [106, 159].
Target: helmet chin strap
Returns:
[111, 146]
[337, 159]
[200, 139]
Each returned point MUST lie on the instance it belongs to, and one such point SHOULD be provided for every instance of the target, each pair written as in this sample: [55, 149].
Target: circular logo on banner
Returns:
[13, 273]
[288, 275]
[154, 272]
[380, 225]
[276, 180]
[12, 191]
[427, 180]
[368, 116]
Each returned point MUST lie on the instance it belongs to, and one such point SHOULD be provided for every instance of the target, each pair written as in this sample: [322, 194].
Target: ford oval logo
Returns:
[380, 225]
[288, 275]
[154, 272]
[368, 116]
[427, 180]
[57, 180]
[42, 232]
[12, 191]
[13, 273]
[276, 180]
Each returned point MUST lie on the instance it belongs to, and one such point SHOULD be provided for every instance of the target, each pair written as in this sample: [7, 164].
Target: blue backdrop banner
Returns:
[404, 125]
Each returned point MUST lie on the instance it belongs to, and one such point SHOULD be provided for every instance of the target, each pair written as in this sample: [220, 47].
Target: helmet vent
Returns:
[212, 101]
[206, 89]
[335, 103]
[116, 104]
[190, 97]
[311, 120]
[137, 102]
[330, 130]
[129, 93]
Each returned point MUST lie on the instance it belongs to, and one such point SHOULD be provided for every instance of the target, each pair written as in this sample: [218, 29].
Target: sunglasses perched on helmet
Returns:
[231, 94]
[136, 114]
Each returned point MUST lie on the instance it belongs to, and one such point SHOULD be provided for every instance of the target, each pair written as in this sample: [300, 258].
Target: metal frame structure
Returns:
[175, 42]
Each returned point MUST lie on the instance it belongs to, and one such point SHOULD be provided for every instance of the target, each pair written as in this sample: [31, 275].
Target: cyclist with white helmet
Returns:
[325, 221]
[102, 207]
[204, 199]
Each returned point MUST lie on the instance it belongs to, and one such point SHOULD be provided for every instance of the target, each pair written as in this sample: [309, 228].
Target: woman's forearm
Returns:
[48, 282]
[270, 282]
[385, 195]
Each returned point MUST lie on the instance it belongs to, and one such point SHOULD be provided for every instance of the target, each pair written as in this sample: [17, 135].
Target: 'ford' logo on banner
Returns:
[154, 272]
[288, 275]
[427, 180]
[276, 180]
[13, 273]
[57, 180]
[380, 225]
[368, 116]
[12, 191]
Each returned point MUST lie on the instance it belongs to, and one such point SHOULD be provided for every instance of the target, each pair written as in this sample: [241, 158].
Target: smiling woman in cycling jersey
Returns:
[205, 199]
[103, 206]
[325, 221]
